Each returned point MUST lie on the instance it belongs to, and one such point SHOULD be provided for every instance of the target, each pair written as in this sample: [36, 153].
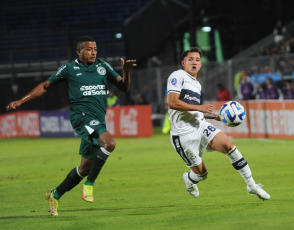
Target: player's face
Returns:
[88, 54]
[192, 63]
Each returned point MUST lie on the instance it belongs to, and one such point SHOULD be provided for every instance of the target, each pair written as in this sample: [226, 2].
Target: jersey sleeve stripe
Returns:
[174, 91]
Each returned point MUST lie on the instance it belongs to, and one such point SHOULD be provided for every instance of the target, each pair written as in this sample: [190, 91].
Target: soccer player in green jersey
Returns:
[88, 80]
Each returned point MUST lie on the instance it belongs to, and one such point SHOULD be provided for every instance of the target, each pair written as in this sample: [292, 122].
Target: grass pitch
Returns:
[141, 187]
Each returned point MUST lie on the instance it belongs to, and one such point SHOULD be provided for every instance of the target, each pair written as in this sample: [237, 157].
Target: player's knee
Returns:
[110, 145]
[107, 142]
[228, 147]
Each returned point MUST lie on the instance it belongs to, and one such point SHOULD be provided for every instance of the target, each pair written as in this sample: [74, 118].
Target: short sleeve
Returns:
[175, 83]
[111, 74]
[59, 75]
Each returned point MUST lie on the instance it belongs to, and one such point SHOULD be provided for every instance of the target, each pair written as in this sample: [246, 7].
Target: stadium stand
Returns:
[34, 32]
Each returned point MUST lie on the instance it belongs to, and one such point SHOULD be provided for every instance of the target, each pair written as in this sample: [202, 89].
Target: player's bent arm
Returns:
[174, 102]
[123, 83]
[36, 92]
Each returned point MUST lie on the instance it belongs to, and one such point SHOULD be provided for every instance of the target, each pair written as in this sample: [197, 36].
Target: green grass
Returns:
[141, 187]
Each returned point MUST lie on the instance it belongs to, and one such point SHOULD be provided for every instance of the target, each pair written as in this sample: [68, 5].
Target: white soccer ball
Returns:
[232, 113]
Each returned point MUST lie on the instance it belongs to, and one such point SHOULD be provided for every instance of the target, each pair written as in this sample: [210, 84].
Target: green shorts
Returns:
[89, 129]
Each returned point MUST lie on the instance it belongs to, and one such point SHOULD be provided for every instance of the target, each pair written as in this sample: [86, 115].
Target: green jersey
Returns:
[87, 87]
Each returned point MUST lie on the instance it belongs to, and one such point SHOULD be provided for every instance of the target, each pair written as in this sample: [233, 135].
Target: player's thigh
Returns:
[221, 143]
[188, 147]
[207, 131]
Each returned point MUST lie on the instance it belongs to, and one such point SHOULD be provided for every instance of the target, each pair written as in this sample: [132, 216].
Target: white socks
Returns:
[195, 178]
[240, 164]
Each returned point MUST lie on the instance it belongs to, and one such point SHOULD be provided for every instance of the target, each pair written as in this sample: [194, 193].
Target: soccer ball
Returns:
[232, 113]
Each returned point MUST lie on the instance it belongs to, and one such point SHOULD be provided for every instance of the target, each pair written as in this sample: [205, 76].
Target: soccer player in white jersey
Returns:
[191, 133]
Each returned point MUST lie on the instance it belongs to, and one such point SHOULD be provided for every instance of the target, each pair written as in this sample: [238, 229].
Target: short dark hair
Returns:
[192, 49]
[81, 40]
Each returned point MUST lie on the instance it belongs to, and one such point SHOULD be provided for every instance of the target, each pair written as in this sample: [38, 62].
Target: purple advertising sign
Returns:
[56, 124]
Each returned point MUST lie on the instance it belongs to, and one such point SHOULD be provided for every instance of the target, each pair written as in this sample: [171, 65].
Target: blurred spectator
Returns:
[146, 94]
[246, 89]
[272, 91]
[140, 100]
[289, 90]
[279, 32]
[285, 46]
[237, 79]
[222, 94]
[112, 99]
[261, 92]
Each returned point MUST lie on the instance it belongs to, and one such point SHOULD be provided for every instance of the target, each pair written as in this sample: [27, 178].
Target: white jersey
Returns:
[189, 89]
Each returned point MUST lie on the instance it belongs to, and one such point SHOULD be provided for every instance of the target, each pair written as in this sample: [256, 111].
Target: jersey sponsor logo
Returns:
[76, 67]
[89, 90]
[94, 122]
[101, 70]
[79, 74]
[174, 81]
[190, 97]
[90, 87]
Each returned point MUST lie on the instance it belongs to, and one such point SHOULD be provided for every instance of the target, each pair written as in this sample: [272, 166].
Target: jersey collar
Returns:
[190, 76]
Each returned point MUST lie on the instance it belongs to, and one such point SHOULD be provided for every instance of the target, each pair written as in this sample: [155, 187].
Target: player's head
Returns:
[269, 81]
[193, 49]
[82, 40]
[86, 49]
[191, 60]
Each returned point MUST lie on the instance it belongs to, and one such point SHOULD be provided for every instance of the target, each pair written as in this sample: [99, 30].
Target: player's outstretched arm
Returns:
[123, 83]
[36, 92]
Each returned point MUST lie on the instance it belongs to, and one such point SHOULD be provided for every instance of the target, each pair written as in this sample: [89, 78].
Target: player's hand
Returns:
[207, 108]
[128, 65]
[212, 116]
[217, 117]
[13, 105]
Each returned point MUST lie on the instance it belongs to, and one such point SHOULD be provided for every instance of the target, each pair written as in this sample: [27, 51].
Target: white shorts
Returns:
[190, 146]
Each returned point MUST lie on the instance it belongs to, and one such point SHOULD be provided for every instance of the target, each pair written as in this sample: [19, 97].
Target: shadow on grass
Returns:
[22, 217]
[140, 209]
[119, 209]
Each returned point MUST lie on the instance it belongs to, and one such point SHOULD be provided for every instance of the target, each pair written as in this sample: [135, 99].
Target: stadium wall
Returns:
[122, 121]
[264, 119]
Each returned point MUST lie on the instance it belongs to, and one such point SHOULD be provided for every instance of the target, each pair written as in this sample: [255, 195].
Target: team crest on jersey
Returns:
[94, 122]
[101, 70]
[174, 81]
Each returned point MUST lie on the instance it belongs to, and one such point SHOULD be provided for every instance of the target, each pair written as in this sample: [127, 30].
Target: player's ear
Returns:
[182, 62]
[79, 52]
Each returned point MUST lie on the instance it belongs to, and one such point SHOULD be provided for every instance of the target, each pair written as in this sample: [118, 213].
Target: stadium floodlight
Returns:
[118, 35]
[206, 29]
